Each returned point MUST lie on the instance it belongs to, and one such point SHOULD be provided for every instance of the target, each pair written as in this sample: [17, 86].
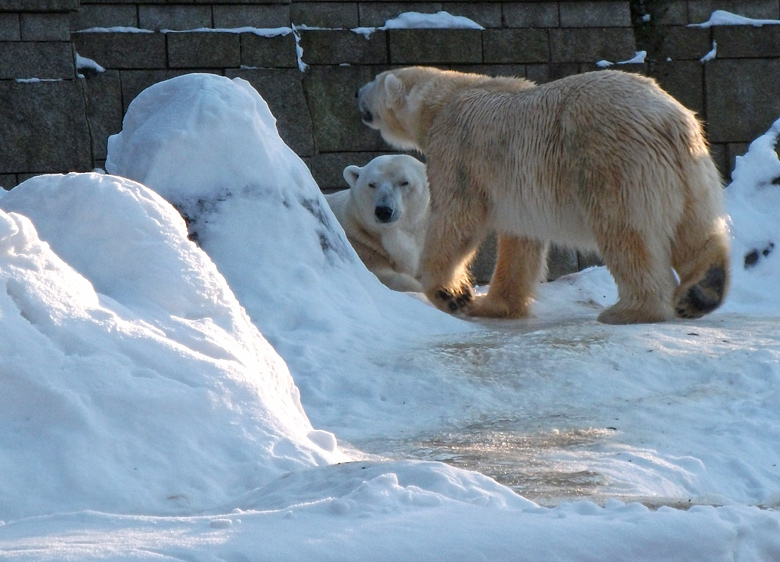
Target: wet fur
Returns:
[603, 160]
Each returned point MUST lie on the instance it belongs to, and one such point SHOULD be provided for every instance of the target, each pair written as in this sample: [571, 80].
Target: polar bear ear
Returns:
[394, 89]
[351, 174]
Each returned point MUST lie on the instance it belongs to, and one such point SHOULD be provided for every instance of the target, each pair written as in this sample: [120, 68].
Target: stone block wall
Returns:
[308, 58]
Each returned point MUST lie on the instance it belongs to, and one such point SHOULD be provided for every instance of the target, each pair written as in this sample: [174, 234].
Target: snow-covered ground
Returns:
[261, 396]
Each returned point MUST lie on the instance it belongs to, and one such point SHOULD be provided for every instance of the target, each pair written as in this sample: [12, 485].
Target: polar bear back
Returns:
[550, 140]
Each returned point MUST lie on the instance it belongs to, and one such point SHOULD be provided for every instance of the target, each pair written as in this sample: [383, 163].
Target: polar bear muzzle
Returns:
[365, 114]
[384, 214]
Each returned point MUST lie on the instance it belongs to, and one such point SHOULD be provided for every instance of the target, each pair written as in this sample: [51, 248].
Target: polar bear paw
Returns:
[452, 301]
[490, 306]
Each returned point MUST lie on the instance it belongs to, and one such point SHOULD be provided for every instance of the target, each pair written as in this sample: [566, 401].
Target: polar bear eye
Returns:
[372, 185]
[404, 183]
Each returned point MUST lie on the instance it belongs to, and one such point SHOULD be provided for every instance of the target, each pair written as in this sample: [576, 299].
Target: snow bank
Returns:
[209, 145]
[752, 201]
[133, 382]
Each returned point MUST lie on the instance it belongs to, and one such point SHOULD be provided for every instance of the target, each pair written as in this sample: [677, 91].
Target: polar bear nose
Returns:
[383, 213]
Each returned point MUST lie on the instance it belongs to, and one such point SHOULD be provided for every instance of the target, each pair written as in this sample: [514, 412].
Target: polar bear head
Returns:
[389, 189]
[403, 103]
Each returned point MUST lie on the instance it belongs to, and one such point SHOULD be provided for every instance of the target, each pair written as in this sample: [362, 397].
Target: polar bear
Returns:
[602, 161]
[385, 216]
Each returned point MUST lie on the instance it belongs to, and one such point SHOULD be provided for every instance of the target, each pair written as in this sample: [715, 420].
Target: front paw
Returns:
[490, 306]
[452, 301]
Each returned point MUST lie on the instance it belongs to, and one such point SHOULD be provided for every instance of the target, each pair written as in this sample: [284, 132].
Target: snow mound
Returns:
[209, 145]
[752, 200]
[133, 382]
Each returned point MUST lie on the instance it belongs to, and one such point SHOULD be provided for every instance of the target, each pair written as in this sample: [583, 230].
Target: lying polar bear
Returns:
[385, 217]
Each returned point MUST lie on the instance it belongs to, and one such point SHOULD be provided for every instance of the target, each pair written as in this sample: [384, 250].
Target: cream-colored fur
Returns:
[604, 160]
[385, 217]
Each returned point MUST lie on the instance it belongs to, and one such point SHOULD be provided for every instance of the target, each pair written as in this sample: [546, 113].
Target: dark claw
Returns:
[443, 295]
[454, 303]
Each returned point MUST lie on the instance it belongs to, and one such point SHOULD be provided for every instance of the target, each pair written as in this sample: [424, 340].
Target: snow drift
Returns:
[133, 381]
[209, 145]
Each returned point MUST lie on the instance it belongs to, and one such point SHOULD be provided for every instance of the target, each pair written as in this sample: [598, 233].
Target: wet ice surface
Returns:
[513, 455]
[570, 409]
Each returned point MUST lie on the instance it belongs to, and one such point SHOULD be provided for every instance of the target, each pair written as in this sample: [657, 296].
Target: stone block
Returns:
[330, 91]
[8, 181]
[43, 128]
[10, 27]
[683, 80]
[135, 3]
[273, 52]
[588, 259]
[104, 108]
[282, 89]
[561, 261]
[592, 44]
[178, 17]
[136, 81]
[733, 151]
[45, 27]
[204, 50]
[328, 168]
[681, 43]
[510, 70]
[543, 73]
[343, 47]
[595, 14]
[264, 16]
[435, 46]
[122, 50]
[96, 15]
[635, 68]
[286, 2]
[516, 45]
[667, 12]
[44, 60]
[719, 154]
[486, 14]
[375, 14]
[746, 41]
[39, 5]
[735, 84]
[700, 10]
[531, 14]
[325, 14]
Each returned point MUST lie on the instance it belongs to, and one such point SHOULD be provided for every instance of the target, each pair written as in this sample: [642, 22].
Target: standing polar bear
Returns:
[385, 217]
[601, 161]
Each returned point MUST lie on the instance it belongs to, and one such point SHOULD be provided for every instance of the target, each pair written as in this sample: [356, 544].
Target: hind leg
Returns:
[642, 271]
[520, 266]
[700, 255]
